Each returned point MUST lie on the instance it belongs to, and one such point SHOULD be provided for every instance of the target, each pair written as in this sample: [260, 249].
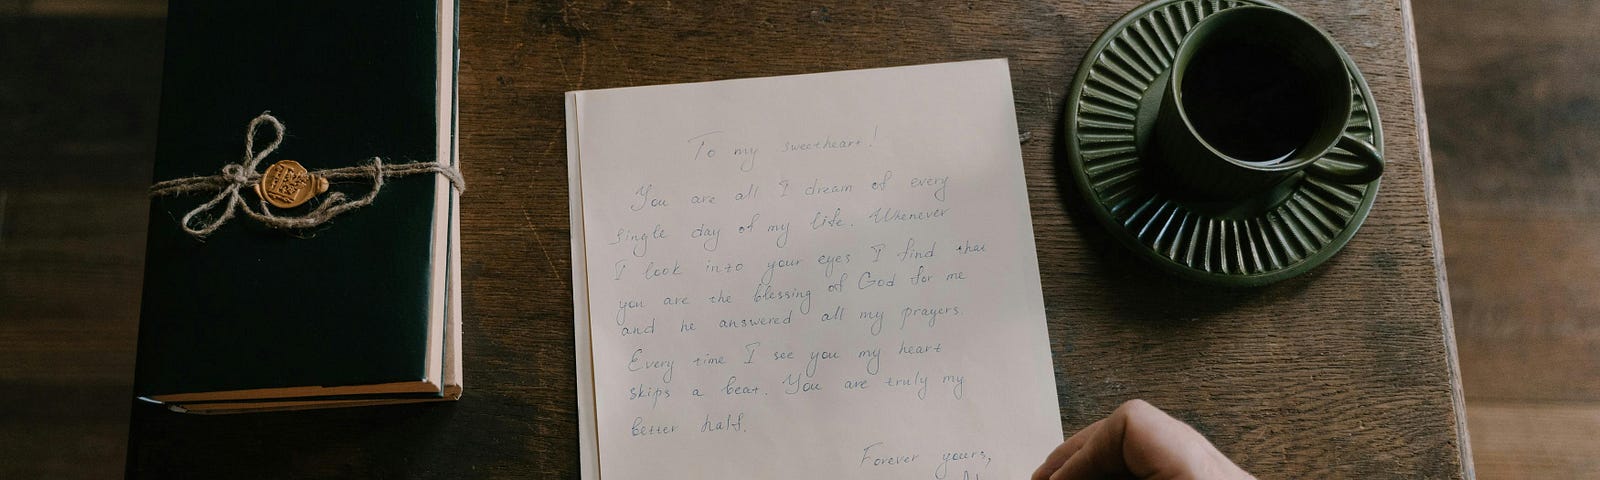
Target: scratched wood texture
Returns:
[1346, 372]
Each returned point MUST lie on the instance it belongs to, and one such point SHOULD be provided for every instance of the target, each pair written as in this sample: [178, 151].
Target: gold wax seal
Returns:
[286, 184]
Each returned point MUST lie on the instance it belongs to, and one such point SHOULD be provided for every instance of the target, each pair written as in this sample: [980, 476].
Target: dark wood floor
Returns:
[1513, 102]
[77, 129]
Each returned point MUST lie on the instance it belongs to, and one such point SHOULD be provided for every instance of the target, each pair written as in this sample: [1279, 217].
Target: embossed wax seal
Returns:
[286, 184]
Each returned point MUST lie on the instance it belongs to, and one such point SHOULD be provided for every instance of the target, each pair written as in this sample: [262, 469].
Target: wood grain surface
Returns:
[1519, 194]
[78, 136]
[1520, 187]
[1535, 440]
[1345, 372]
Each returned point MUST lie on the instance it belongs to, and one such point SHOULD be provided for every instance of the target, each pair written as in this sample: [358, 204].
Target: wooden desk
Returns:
[1349, 371]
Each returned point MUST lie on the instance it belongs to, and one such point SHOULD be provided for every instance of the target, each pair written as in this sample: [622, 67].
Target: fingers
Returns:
[1101, 455]
[1157, 444]
[1141, 441]
[1064, 451]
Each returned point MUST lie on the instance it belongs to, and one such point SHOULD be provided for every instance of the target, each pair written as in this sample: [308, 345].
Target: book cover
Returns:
[355, 307]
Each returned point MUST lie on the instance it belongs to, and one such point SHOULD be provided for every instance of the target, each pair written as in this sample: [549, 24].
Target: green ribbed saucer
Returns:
[1255, 241]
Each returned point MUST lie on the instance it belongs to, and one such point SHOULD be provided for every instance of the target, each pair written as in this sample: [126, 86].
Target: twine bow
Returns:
[237, 177]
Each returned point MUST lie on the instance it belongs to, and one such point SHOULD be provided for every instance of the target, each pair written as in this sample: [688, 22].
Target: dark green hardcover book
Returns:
[361, 309]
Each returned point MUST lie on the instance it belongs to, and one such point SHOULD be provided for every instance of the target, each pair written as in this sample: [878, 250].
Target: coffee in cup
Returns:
[1255, 95]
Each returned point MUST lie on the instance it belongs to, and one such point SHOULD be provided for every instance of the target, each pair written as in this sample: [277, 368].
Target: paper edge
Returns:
[1003, 60]
[588, 444]
[1033, 246]
[261, 407]
[454, 384]
[439, 247]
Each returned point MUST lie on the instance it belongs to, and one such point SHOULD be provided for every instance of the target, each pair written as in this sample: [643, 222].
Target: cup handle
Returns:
[1371, 163]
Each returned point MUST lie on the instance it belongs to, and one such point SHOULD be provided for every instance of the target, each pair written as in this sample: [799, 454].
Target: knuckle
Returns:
[1135, 406]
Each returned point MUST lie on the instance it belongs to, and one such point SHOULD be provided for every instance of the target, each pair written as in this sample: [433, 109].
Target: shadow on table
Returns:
[379, 442]
[1141, 292]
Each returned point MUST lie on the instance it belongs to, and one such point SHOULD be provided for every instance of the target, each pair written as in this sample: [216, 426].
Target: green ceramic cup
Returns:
[1256, 95]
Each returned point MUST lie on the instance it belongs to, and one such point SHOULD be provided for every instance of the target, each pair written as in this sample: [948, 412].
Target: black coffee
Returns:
[1246, 99]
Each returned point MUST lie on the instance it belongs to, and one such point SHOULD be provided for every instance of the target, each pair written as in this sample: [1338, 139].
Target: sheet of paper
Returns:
[813, 276]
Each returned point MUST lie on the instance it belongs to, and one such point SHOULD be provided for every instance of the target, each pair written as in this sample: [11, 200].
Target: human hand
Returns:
[1138, 441]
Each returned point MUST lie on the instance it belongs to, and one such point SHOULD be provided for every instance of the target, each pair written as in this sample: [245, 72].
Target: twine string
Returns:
[237, 177]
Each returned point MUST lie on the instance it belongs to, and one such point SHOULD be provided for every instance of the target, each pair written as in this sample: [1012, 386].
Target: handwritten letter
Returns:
[814, 276]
